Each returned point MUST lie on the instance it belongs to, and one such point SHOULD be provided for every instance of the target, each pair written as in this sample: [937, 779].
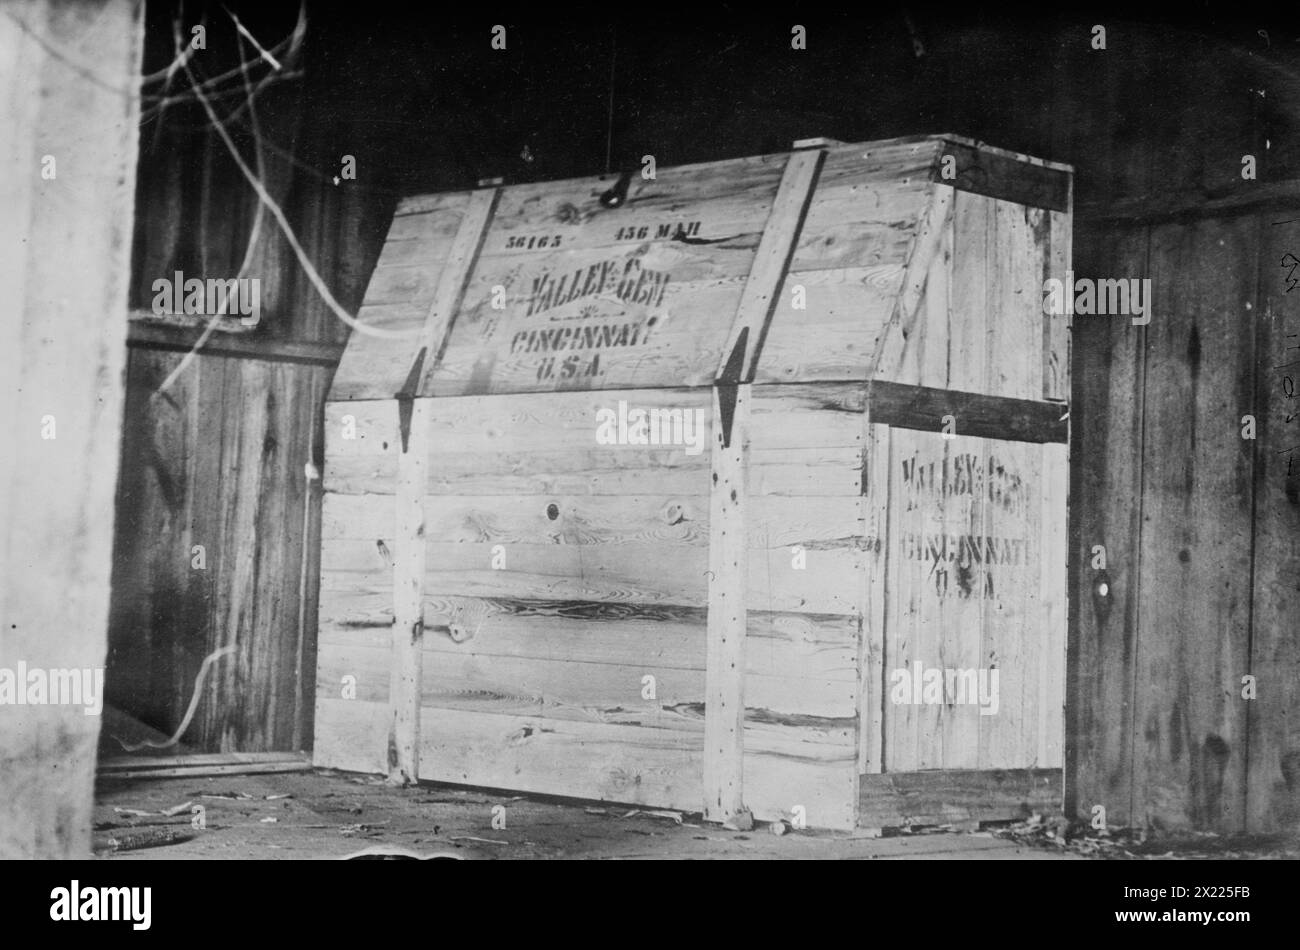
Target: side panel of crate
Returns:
[974, 633]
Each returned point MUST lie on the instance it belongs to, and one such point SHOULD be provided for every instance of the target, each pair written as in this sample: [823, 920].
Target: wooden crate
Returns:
[710, 620]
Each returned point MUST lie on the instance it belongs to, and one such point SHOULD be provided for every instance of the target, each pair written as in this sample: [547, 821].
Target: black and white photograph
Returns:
[734, 433]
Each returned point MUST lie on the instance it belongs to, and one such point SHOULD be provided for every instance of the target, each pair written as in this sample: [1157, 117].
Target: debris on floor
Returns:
[1136, 844]
[144, 838]
[331, 815]
[674, 816]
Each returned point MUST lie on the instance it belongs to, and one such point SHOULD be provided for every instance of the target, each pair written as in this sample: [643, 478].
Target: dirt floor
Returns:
[332, 815]
[324, 814]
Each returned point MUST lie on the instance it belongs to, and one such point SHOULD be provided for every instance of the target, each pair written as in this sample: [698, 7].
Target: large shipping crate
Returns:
[740, 489]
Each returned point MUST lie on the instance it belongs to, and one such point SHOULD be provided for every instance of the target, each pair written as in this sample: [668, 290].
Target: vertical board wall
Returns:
[1200, 526]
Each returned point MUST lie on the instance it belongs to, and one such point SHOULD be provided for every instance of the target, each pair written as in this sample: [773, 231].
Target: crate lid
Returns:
[788, 267]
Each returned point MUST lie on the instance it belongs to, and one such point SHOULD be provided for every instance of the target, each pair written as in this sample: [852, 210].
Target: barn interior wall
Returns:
[1159, 472]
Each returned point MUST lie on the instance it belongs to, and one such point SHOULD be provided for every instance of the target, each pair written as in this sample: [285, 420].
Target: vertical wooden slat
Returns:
[408, 598]
[241, 498]
[1273, 790]
[455, 273]
[965, 618]
[902, 336]
[968, 365]
[309, 420]
[1015, 302]
[413, 458]
[724, 711]
[780, 237]
[1106, 517]
[1053, 554]
[872, 692]
[1189, 769]
[1011, 635]
[1057, 257]
[931, 637]
[905, 580]
[211, 377]
[934, 350]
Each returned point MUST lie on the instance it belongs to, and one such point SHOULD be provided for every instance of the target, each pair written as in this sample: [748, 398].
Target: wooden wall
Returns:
[1162, 116]
[220, 464]
[64, 253]
[1201, 531]
[220, 458]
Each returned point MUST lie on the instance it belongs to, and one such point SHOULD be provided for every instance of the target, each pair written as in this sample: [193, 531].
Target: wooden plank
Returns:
[375, 367]
[572, 421]
[929, 634]
[146, 636]
[801, 471]
[816, 646]
[205, 399]
[248, 442]
[933, 350]
[904, 579]
[414, 284]
[734, 187]
[983, 416]
[202, 771]
[408, 598]
[181, 763]
[1273, 789]
[838, 333]
[907, 324]
[759, 299]
[858, 217]
[631, 572]
[965, 614]
[872, 693]
[1015, 337]
[723, 775]
[166, 336]
[1106, 519]
[1053, 604]
[309, 576]
[1057, 262]
[968, 369]
[997, 174]
[903, 799]
[777, 521]
[575, 687]
[1012, 639]
[1189, 760]
[462, 258]
[601, 761]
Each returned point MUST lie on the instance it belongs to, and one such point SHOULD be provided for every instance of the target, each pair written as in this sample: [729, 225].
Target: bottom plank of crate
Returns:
[952, 796]
[659, 768]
